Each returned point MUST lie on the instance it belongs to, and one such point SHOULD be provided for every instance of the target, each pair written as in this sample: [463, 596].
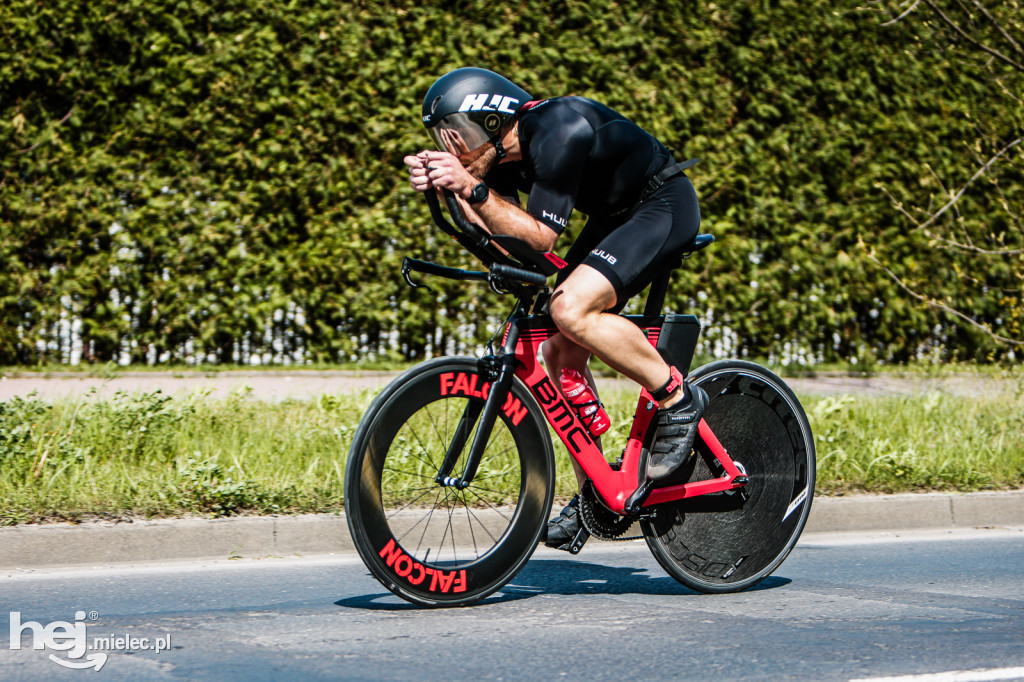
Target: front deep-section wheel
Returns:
[431, 542]
[730, 541]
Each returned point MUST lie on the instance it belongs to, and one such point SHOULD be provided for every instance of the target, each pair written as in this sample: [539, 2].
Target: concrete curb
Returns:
[180, 539]
[923, 511]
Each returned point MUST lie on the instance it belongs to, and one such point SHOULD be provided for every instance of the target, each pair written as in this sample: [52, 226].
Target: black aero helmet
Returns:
[466, 108]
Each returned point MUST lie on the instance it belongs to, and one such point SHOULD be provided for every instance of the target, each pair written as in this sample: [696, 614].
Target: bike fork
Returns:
[465, 427]
[496, 396]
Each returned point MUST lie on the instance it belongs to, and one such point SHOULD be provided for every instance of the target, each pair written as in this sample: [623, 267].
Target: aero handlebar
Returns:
[518, 274]
[469, 236]
[510, 260]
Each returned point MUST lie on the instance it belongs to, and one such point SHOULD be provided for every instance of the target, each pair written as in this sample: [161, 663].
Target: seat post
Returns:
[656, 296]
[659, 286]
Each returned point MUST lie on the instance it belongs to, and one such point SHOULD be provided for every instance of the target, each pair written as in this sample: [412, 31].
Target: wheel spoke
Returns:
[425, 457]
[424, 490]
[503, 493]
[489, 505]
[407, 504]
[474, 517]
[448, 527]
[451, 515]
[469, 524]
[430, 515]
[414, 474]
[433, 422]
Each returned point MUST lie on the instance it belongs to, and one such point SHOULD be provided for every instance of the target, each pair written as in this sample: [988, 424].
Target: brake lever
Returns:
[492, 282]
[408, 280]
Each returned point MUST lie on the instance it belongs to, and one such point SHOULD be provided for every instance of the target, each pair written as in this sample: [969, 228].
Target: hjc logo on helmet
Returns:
[479, 102]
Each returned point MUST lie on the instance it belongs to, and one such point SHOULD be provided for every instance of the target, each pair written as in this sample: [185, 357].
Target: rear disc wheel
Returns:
[727, 542]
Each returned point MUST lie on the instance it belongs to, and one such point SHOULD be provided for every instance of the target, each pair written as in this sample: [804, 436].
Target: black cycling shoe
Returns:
[677, 429]
[565, 530]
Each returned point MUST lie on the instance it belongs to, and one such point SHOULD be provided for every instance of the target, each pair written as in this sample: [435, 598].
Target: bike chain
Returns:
[600, 522]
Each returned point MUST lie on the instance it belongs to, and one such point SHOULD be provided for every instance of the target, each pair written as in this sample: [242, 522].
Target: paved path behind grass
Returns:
[280, 385]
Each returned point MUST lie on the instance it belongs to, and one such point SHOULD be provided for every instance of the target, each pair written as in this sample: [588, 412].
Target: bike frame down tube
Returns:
[614, 487]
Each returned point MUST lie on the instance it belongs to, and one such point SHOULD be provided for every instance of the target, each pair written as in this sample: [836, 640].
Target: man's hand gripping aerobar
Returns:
[436, 170]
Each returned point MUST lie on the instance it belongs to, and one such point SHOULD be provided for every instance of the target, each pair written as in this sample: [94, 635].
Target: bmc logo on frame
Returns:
[488, 102]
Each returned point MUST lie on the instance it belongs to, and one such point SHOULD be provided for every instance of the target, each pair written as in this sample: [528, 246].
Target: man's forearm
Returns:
[433, 170]
[502, 217]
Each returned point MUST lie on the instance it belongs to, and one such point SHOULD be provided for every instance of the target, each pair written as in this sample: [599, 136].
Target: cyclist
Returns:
[495, 140]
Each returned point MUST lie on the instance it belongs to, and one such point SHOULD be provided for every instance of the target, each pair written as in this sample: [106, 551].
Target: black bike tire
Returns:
[699, 541]
[400, 402]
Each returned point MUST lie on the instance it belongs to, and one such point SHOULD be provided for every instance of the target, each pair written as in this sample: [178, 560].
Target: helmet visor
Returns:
[458, 134]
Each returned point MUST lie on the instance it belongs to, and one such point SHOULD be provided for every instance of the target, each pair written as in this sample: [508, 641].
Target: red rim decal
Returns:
[416, 573]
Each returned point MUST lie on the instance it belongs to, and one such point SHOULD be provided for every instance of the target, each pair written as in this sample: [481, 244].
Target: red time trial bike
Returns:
[451, 472]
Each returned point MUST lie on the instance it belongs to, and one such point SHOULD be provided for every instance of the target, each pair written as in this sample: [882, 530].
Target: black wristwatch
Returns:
[479, 194]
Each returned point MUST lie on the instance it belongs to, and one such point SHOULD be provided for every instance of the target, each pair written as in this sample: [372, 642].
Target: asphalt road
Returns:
[840, 608]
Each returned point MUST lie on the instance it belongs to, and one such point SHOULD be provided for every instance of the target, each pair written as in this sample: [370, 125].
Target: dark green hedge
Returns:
[190, 181]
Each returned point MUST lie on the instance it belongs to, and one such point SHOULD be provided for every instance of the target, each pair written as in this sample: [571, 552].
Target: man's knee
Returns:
[568, 310]
[580, 299]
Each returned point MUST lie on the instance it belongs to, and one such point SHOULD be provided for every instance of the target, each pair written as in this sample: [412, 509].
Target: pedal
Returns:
[637, 499]
[577, 543]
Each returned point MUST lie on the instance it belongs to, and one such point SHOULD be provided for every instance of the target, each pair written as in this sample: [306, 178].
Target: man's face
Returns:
[480, 161]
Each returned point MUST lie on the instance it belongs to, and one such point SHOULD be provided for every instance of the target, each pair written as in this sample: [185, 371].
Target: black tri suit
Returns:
[641, 207]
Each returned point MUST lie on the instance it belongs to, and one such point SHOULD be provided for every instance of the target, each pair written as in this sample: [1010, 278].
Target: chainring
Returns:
[599, 520]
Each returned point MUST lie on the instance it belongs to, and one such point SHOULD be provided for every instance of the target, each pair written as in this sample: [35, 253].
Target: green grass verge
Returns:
[152, 455]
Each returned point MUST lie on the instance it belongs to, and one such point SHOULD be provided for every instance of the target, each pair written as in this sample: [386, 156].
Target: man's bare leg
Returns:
[578, 308]
[578, 312]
